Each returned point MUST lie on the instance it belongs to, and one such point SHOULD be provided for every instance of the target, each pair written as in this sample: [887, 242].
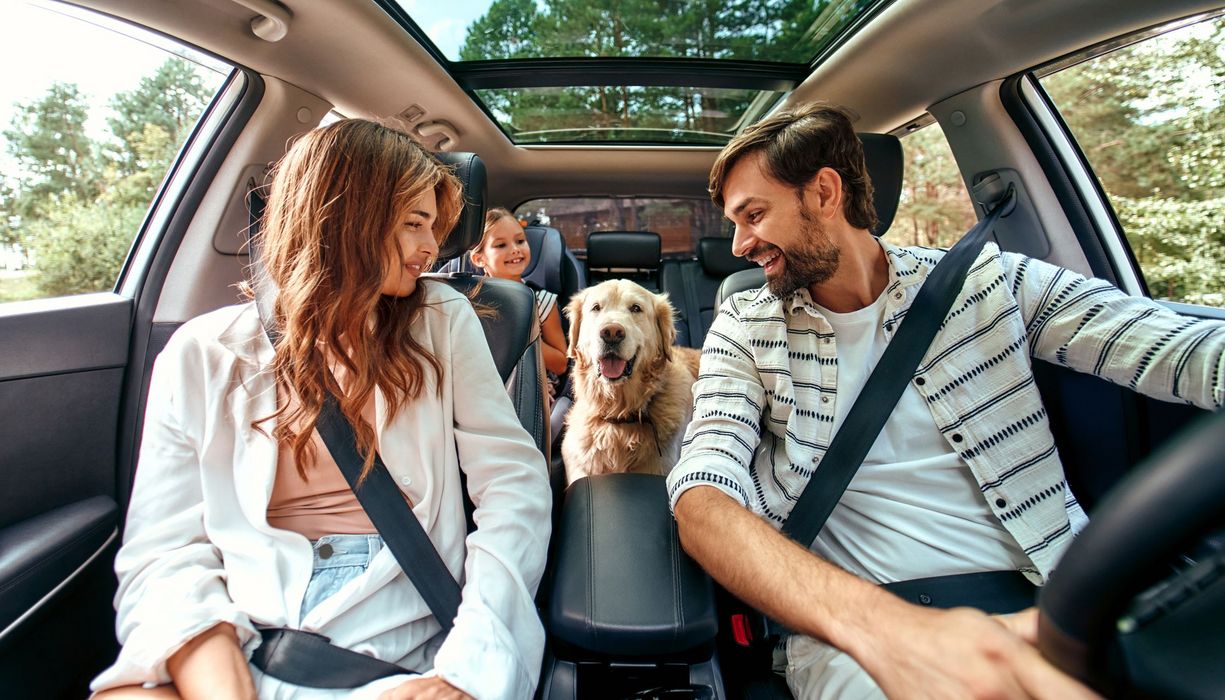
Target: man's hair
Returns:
[796, 143]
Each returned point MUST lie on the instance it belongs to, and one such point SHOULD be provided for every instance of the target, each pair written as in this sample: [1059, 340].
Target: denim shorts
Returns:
[338, 559]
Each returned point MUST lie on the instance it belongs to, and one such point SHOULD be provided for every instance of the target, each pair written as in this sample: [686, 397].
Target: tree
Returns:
[171, 99]
[55, 156]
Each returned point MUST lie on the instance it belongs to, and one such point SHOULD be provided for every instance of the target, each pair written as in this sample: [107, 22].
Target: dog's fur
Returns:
[634, 421]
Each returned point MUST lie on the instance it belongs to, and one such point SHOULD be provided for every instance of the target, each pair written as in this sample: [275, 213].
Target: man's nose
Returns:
[612, 333]
[742, 243]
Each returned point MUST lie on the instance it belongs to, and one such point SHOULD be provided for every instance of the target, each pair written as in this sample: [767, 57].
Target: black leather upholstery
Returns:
[512, 331]
[623, 586]
[692, 285]
[882, 153]
[716, 258]
[553, 266]
[467, 232]
[634, 255]
[40, 553]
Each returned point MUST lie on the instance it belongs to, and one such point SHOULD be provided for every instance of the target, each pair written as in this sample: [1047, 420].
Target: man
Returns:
[963, 478]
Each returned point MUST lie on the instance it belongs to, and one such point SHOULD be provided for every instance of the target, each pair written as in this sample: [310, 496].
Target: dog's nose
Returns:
[612, 333]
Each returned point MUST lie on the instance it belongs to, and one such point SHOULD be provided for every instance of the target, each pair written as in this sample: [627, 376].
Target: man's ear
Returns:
[574, 313]
[667, 326]
[823, 194]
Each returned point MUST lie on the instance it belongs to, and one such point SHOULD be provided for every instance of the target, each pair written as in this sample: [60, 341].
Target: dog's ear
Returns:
[667, 326]
[574, 313]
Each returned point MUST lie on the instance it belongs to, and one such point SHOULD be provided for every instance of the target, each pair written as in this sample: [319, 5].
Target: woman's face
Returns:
[416, 250]
[505, 252]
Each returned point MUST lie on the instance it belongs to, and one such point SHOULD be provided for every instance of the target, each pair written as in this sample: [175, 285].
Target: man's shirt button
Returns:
[956, 437]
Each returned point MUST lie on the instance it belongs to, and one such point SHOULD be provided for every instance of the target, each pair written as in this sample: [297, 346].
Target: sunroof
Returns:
[782, 31]
[625, 113]
[628, 71]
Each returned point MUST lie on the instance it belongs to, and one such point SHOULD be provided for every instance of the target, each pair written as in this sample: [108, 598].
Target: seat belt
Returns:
[888, 380]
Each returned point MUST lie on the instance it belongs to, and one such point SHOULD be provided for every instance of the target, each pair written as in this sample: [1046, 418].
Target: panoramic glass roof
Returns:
[627, 113]
[655, 71]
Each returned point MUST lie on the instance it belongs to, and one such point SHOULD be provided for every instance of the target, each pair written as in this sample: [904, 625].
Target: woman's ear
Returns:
[574, 313]
[667, 326]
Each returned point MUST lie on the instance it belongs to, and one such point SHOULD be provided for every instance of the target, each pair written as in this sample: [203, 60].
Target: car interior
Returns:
[616, 196]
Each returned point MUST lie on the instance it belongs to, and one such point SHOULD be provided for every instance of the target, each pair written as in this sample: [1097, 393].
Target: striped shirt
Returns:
[764, 401]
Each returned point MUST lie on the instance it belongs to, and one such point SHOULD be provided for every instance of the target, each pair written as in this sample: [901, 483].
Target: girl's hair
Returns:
[492, 216]
[336, 200]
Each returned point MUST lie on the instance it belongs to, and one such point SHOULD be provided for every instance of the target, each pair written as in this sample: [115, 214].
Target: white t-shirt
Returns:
[914, 509]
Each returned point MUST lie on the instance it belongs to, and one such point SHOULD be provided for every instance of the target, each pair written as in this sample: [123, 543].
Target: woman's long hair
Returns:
[336, 200]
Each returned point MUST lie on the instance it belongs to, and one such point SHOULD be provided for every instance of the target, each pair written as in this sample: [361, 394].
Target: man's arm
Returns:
[910, 651]
[1090, 326]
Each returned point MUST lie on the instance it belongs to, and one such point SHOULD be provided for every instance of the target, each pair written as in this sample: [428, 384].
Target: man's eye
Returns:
[635, 309]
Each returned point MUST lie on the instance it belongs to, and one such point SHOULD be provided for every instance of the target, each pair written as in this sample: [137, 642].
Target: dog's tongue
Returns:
[612, 367]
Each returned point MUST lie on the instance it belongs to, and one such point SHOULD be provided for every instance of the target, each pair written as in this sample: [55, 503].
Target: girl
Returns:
[503, 252]
[240, 518]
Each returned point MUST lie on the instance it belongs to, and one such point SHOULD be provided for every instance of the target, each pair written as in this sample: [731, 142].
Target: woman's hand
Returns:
[431, 688]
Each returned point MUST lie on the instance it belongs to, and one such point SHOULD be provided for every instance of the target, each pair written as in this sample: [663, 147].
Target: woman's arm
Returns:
[497, 643]
[171, 581]
[554, 345]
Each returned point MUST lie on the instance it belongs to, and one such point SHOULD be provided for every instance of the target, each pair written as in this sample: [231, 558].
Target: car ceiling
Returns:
[911, 55]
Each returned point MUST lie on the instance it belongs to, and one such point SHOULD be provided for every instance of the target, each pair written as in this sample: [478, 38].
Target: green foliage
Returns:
[79, 203]
[1150, 120]
[81, 245]
[934, 210]
[780, 30]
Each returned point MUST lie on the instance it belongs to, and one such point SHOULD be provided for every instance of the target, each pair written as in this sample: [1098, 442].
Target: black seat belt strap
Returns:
[384, 503]
[888, 380]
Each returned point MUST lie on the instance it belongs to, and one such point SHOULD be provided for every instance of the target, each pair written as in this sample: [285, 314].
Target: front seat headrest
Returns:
[882, 154]
[470, 170]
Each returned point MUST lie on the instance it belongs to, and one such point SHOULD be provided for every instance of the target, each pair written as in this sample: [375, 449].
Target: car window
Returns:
[1150, 121]
[934, 209]
[90, 123]
[680, 222]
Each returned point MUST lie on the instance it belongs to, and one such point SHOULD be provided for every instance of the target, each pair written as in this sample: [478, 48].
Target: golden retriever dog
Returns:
[633, 391]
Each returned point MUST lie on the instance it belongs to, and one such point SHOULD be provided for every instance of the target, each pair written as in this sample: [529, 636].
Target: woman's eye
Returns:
[595, 307]
[635, 309]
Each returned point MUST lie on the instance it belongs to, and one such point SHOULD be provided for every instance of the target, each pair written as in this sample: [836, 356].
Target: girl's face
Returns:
[416, 251]
[505, 252]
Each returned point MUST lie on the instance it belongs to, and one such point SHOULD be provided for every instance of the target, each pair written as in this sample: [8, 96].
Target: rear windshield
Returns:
[680, 222]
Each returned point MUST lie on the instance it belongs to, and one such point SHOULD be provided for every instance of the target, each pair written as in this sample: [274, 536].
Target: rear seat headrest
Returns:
[636, 249]
[470, 170]
[716, 257]
[882, 153]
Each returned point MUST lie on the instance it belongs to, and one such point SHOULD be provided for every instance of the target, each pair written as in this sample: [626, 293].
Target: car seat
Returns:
[691, 286]
[632, 255]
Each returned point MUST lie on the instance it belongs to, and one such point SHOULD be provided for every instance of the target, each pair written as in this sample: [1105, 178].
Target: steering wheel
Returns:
[1159, 509]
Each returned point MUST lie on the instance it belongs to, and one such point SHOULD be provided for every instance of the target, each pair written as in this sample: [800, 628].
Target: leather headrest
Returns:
[716, 257]
[882, 154]
[470, 170]
[751, 278]
[637, 249]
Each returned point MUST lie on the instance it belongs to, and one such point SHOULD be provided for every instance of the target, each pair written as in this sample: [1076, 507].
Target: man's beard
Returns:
[813, 260]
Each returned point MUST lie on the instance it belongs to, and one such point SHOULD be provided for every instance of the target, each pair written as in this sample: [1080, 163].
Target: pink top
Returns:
[323, 504]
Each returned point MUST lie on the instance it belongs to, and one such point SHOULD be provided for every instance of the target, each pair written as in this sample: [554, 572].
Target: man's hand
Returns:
[961, 653]
[431, 688]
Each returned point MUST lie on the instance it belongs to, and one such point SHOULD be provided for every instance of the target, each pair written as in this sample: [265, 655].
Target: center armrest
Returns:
[623, 586]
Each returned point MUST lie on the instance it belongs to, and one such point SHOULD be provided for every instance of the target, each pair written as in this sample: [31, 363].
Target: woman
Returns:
[240, 518]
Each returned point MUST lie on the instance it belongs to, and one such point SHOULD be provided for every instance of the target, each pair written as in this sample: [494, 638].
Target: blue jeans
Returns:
[338, 559]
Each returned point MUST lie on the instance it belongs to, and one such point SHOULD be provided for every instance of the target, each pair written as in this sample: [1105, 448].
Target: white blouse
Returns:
[198, 549]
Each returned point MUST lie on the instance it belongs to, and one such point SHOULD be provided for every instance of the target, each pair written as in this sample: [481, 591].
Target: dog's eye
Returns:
[595, 307]
[635, 309]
